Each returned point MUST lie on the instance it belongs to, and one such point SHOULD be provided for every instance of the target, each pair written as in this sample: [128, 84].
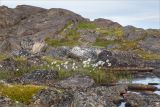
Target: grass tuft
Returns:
[21, 93]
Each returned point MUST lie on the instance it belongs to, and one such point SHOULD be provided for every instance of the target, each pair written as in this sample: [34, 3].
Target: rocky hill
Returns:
[64, 58]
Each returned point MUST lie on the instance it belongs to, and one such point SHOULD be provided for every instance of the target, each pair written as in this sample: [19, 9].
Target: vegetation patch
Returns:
[147, 55]
[21, 93]
[87, 25]
[3, 56]
[103, 43]
[71, 39]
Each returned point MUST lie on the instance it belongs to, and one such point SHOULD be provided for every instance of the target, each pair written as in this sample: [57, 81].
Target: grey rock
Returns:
[39, 77]
[104, 23]
[76, 82]
[84, 53]
[7, 102]
[58, 52]
[21, 53]
[151, 43]
[138, 100]
[99, 97]
[132, 33]
[52, 97]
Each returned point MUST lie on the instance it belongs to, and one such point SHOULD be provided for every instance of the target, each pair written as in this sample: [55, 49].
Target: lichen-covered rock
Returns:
[76, 82]
[151, 43]
[40, 77]
[132, 33]
[52, 97]
[7, 102]
[84, 53]
[138, 100]
[58, 52]
[99, 97]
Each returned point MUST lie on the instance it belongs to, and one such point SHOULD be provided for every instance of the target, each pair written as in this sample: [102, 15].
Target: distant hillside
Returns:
[23, 26]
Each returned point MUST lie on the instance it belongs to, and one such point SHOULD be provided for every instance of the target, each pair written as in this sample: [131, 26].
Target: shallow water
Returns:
[122, 104]
[144, 81]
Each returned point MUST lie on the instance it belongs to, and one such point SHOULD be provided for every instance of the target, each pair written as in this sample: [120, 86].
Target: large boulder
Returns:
[7, 102]
[58, 52]
[52, 97]
[99, 97]
[151, 43]
[76, 82]
[104, 23]
[39, 77]
[132, 33]
[138, 100]
[84, 53]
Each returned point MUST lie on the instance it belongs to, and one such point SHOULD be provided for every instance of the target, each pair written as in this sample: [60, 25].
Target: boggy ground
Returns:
[57, 58]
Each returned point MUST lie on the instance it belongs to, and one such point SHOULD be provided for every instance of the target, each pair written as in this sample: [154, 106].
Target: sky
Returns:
[140, 13]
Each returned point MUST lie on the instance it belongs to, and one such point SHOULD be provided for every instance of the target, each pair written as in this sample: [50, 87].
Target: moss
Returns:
[87, 25]
[128, 45]
[147, 55]
[103, 43]
[21, 93]
[3, 56]
[20, 58]
[118, 31]
[5, 75]
[71, 39]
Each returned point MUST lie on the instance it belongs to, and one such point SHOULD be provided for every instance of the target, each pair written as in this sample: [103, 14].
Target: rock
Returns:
[106, 56]
[39, 77]
[7, 102]
[152, 63]
[76, 82]
[38, 47]
[36, 60]
[29, 24]
[58, 52]
[52, 97]
[132, 33]
[127, 59]
[99, 97]
[138, 100]
[104, 23]
[18, 53]
[88, 35]
[151, 43]
[84, 53]
[9, 64]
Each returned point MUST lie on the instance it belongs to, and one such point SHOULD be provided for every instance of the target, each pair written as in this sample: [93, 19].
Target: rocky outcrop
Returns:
[99, 97]
[151, 43]
[104, 23]
[119, 59]
[7, 102]
[52, 97]
[76, 82]
[36, 77]
[134, 100]
[29, 24]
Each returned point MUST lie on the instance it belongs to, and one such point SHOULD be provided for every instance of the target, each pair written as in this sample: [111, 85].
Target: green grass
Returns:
[147, 55]
[87, 25]
[3, 56]
[103, 43]
[71, 39]
[128, 45]
[21, 93]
